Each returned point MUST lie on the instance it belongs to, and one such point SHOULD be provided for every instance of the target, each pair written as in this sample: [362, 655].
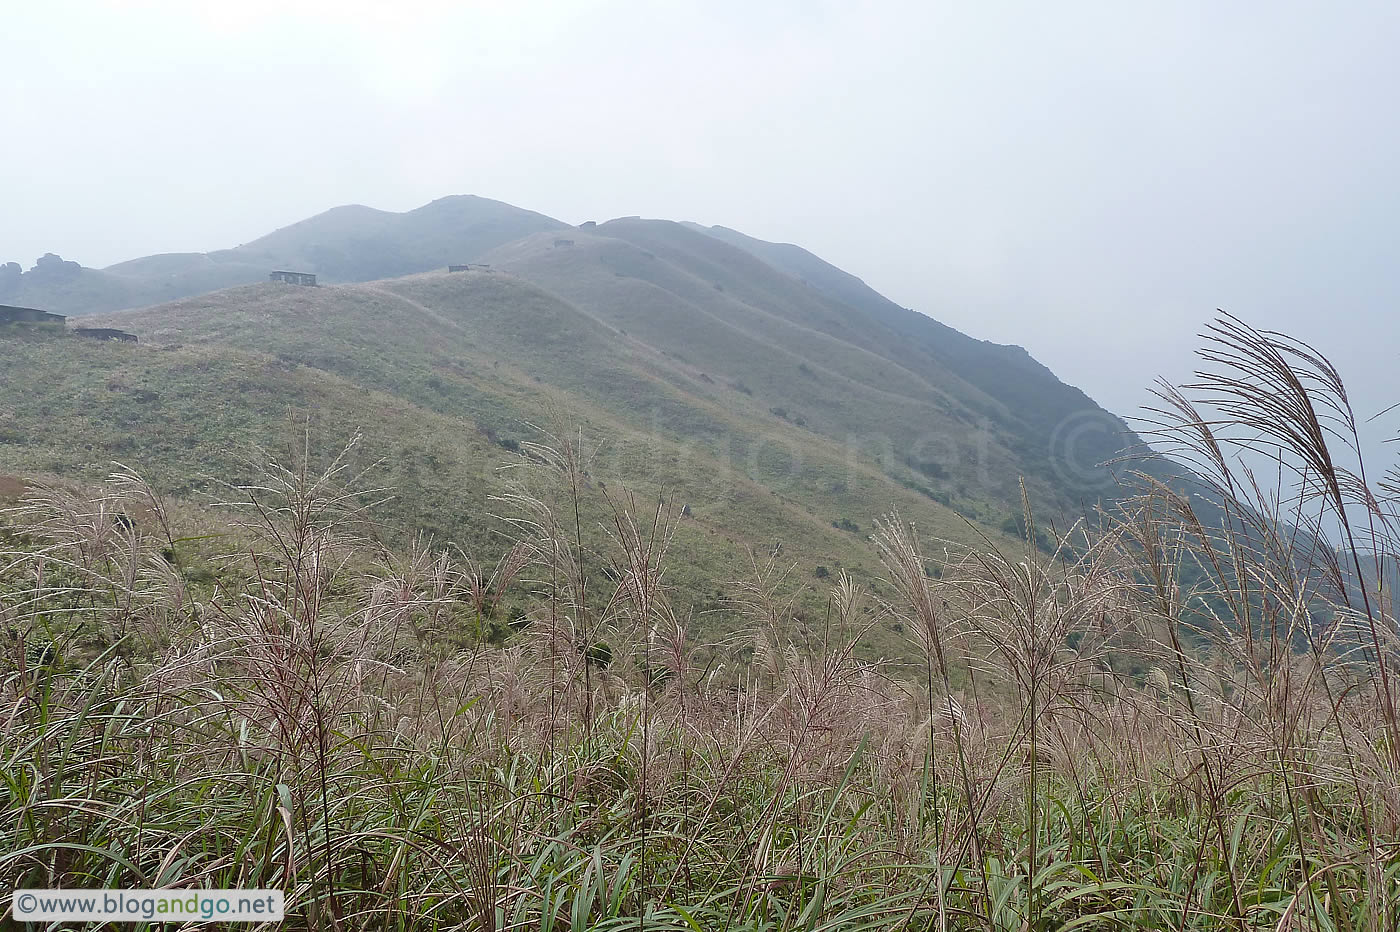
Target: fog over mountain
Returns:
[1088, 181]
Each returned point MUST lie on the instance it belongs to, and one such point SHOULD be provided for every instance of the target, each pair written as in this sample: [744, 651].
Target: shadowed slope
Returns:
[1030, 394]
[961, 418]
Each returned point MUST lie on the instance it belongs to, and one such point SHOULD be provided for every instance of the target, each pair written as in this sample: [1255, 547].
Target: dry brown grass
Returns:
[1166, 723]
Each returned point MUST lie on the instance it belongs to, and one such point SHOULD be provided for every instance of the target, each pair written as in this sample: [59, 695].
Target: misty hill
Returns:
[356, 244]
[1030, 394]
[345, 244]
[927, 400]
[782, 400]
[442, 374]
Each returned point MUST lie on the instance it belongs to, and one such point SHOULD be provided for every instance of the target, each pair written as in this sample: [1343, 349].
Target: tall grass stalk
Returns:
[1179, 716]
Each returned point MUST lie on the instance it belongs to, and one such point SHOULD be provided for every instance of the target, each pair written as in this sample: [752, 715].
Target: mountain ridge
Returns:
[789, 337]
[781, 399]
[347, 243]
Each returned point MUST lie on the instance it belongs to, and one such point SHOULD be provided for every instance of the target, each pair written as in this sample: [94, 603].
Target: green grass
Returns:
[262, 696]
[594, 689]
[669, 348]
[446, 374]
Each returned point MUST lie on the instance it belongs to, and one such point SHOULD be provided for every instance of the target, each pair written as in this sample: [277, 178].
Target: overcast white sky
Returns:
[1089, 180]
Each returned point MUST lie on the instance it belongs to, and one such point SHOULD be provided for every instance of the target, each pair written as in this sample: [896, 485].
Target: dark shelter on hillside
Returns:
[292, 278]
[28, 315]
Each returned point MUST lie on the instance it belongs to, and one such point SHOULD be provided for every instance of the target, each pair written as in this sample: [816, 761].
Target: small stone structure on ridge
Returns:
[293, 278]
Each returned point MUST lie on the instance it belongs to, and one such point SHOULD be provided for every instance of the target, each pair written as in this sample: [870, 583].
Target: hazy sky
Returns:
[1089, 180]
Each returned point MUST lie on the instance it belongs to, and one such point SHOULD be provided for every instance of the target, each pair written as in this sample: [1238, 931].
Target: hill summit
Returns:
[786, 403]
[345, 244]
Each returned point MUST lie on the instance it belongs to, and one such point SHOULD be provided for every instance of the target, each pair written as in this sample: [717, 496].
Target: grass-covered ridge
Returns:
[417, 738]
[349, 243]
[445, 374]
[765, 332]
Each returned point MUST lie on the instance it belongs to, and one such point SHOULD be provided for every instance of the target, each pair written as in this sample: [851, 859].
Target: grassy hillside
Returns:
[356, 243]
[83, 291]
[1058, 423]
[712, 682]
[321, 717]
[938, 410]
[766, 330]
[443, 373]
[784, 415]
[351, 243]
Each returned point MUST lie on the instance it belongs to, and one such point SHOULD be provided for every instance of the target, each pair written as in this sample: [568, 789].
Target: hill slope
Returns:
[442, 373]
[953, 415]
[356, 243]
[351, 243]
[784, 402]
[1071, 429]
